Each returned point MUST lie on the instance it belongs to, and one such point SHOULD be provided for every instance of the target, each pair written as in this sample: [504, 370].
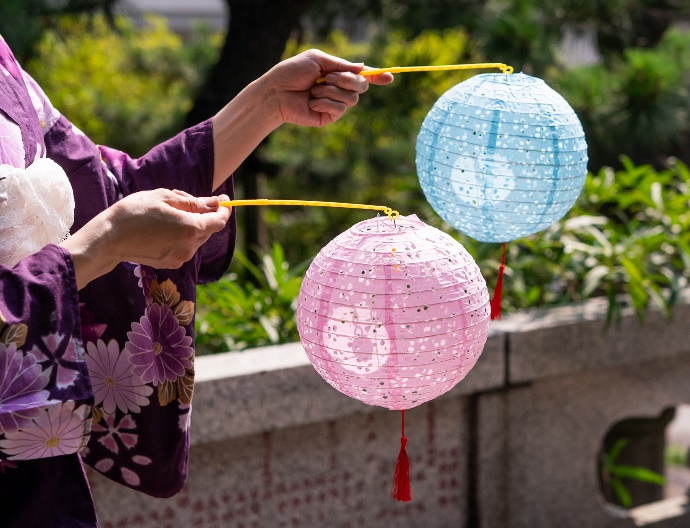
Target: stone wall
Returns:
[513, 445]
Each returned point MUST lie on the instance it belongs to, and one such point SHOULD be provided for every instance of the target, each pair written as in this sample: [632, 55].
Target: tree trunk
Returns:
[257, 33]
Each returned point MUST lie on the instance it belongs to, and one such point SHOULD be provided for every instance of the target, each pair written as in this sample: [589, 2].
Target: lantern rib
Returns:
[410, 389]
[547, 126]
[453, 109]
[511, 213]
[419, 263]
[470, 184]
[433, 115]
[478, 310]
[464, 357]
[405, 277]
[413, 391]
[454, 100]
[404, 326]
[400, 394]
[452, 293]
[394, 239]
[458, 345]
[529, 147]
[405, 295]
[439, 176]
[404, 272]
[414, 331]
[462, 360]
[511, 163]
[510, 107]
[521, 150]
[530, 200]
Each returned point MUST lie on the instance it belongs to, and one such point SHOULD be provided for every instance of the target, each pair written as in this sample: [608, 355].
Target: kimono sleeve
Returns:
[45, 394]
[137, 322]
[101, 176]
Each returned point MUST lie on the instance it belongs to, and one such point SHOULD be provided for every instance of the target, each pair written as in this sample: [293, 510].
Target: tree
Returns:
[257, 33]
[22, 21]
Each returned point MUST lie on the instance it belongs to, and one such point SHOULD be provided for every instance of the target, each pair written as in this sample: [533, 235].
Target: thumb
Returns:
[329, 63]
[191, 204]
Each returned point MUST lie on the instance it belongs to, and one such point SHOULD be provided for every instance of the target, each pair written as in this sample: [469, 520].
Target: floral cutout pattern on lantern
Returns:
[501, 156]
[393, 313]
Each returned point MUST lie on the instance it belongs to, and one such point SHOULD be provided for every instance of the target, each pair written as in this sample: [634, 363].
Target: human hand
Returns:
[159, 228]
[303, 102]
[164, 228]
[287, 93]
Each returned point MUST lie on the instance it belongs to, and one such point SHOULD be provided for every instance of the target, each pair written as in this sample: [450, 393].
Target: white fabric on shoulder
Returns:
[36, 209]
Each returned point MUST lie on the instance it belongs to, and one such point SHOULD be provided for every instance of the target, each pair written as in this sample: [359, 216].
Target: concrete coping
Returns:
[241, 393]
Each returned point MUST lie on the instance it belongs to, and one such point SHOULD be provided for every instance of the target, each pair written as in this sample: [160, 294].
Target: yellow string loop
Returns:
[392, 214]
[404, 69]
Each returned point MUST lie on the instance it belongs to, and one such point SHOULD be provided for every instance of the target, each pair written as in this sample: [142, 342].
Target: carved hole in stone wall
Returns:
[676, 454]
[645, 459]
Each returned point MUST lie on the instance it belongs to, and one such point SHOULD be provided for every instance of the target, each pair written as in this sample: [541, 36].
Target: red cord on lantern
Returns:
[401, 481]
[498, 292]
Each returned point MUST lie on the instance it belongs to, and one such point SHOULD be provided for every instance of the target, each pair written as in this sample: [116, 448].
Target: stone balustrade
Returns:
[514, 445]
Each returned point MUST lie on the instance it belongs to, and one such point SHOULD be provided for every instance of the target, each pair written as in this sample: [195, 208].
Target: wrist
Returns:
[261, 98]
[93, 250]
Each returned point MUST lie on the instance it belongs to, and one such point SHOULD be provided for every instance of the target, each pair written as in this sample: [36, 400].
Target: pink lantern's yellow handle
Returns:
[392, 214]
[404, 69]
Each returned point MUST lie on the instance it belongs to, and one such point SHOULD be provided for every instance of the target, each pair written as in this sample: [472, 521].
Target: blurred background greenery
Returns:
[130, 85]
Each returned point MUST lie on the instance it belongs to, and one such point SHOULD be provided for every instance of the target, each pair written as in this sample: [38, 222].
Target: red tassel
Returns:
[498, 292]
[401, 481]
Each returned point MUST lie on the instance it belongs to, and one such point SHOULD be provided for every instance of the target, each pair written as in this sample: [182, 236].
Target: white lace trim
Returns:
[36, 208]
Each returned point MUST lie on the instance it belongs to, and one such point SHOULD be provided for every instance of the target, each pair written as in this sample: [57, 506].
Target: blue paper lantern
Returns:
[501, 156]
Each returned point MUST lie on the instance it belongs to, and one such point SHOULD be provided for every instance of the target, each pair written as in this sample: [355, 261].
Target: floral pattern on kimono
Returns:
[104, 374]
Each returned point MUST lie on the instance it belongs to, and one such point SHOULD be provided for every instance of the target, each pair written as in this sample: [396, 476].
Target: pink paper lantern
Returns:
[393, 314]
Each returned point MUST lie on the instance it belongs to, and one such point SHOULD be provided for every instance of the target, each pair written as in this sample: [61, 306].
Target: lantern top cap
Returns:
[385, 226]
[516, 79]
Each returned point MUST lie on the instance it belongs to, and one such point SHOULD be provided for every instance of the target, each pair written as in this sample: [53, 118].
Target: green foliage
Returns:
[234, 316]
[519, 33]
[367, 157]
[126, 87]
[639, 106]
[615, 475]
[676, 455]
[383, 16]
[18, 26]
[626, 239]
[23, 21]
[628, 235]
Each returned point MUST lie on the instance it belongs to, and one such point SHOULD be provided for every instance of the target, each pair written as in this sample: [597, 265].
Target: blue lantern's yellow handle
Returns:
[404, 69]
[392, 214]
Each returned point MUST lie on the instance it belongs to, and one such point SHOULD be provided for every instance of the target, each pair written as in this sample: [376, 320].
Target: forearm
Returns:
[287, 93]
[90, 250]
[159, 228]
[241, 125]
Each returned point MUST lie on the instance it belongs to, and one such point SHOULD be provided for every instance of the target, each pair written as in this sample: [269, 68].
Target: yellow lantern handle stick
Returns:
[392, 214]
[404, 69]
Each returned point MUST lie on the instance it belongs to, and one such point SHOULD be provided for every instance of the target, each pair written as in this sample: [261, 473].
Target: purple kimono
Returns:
[104, 375]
